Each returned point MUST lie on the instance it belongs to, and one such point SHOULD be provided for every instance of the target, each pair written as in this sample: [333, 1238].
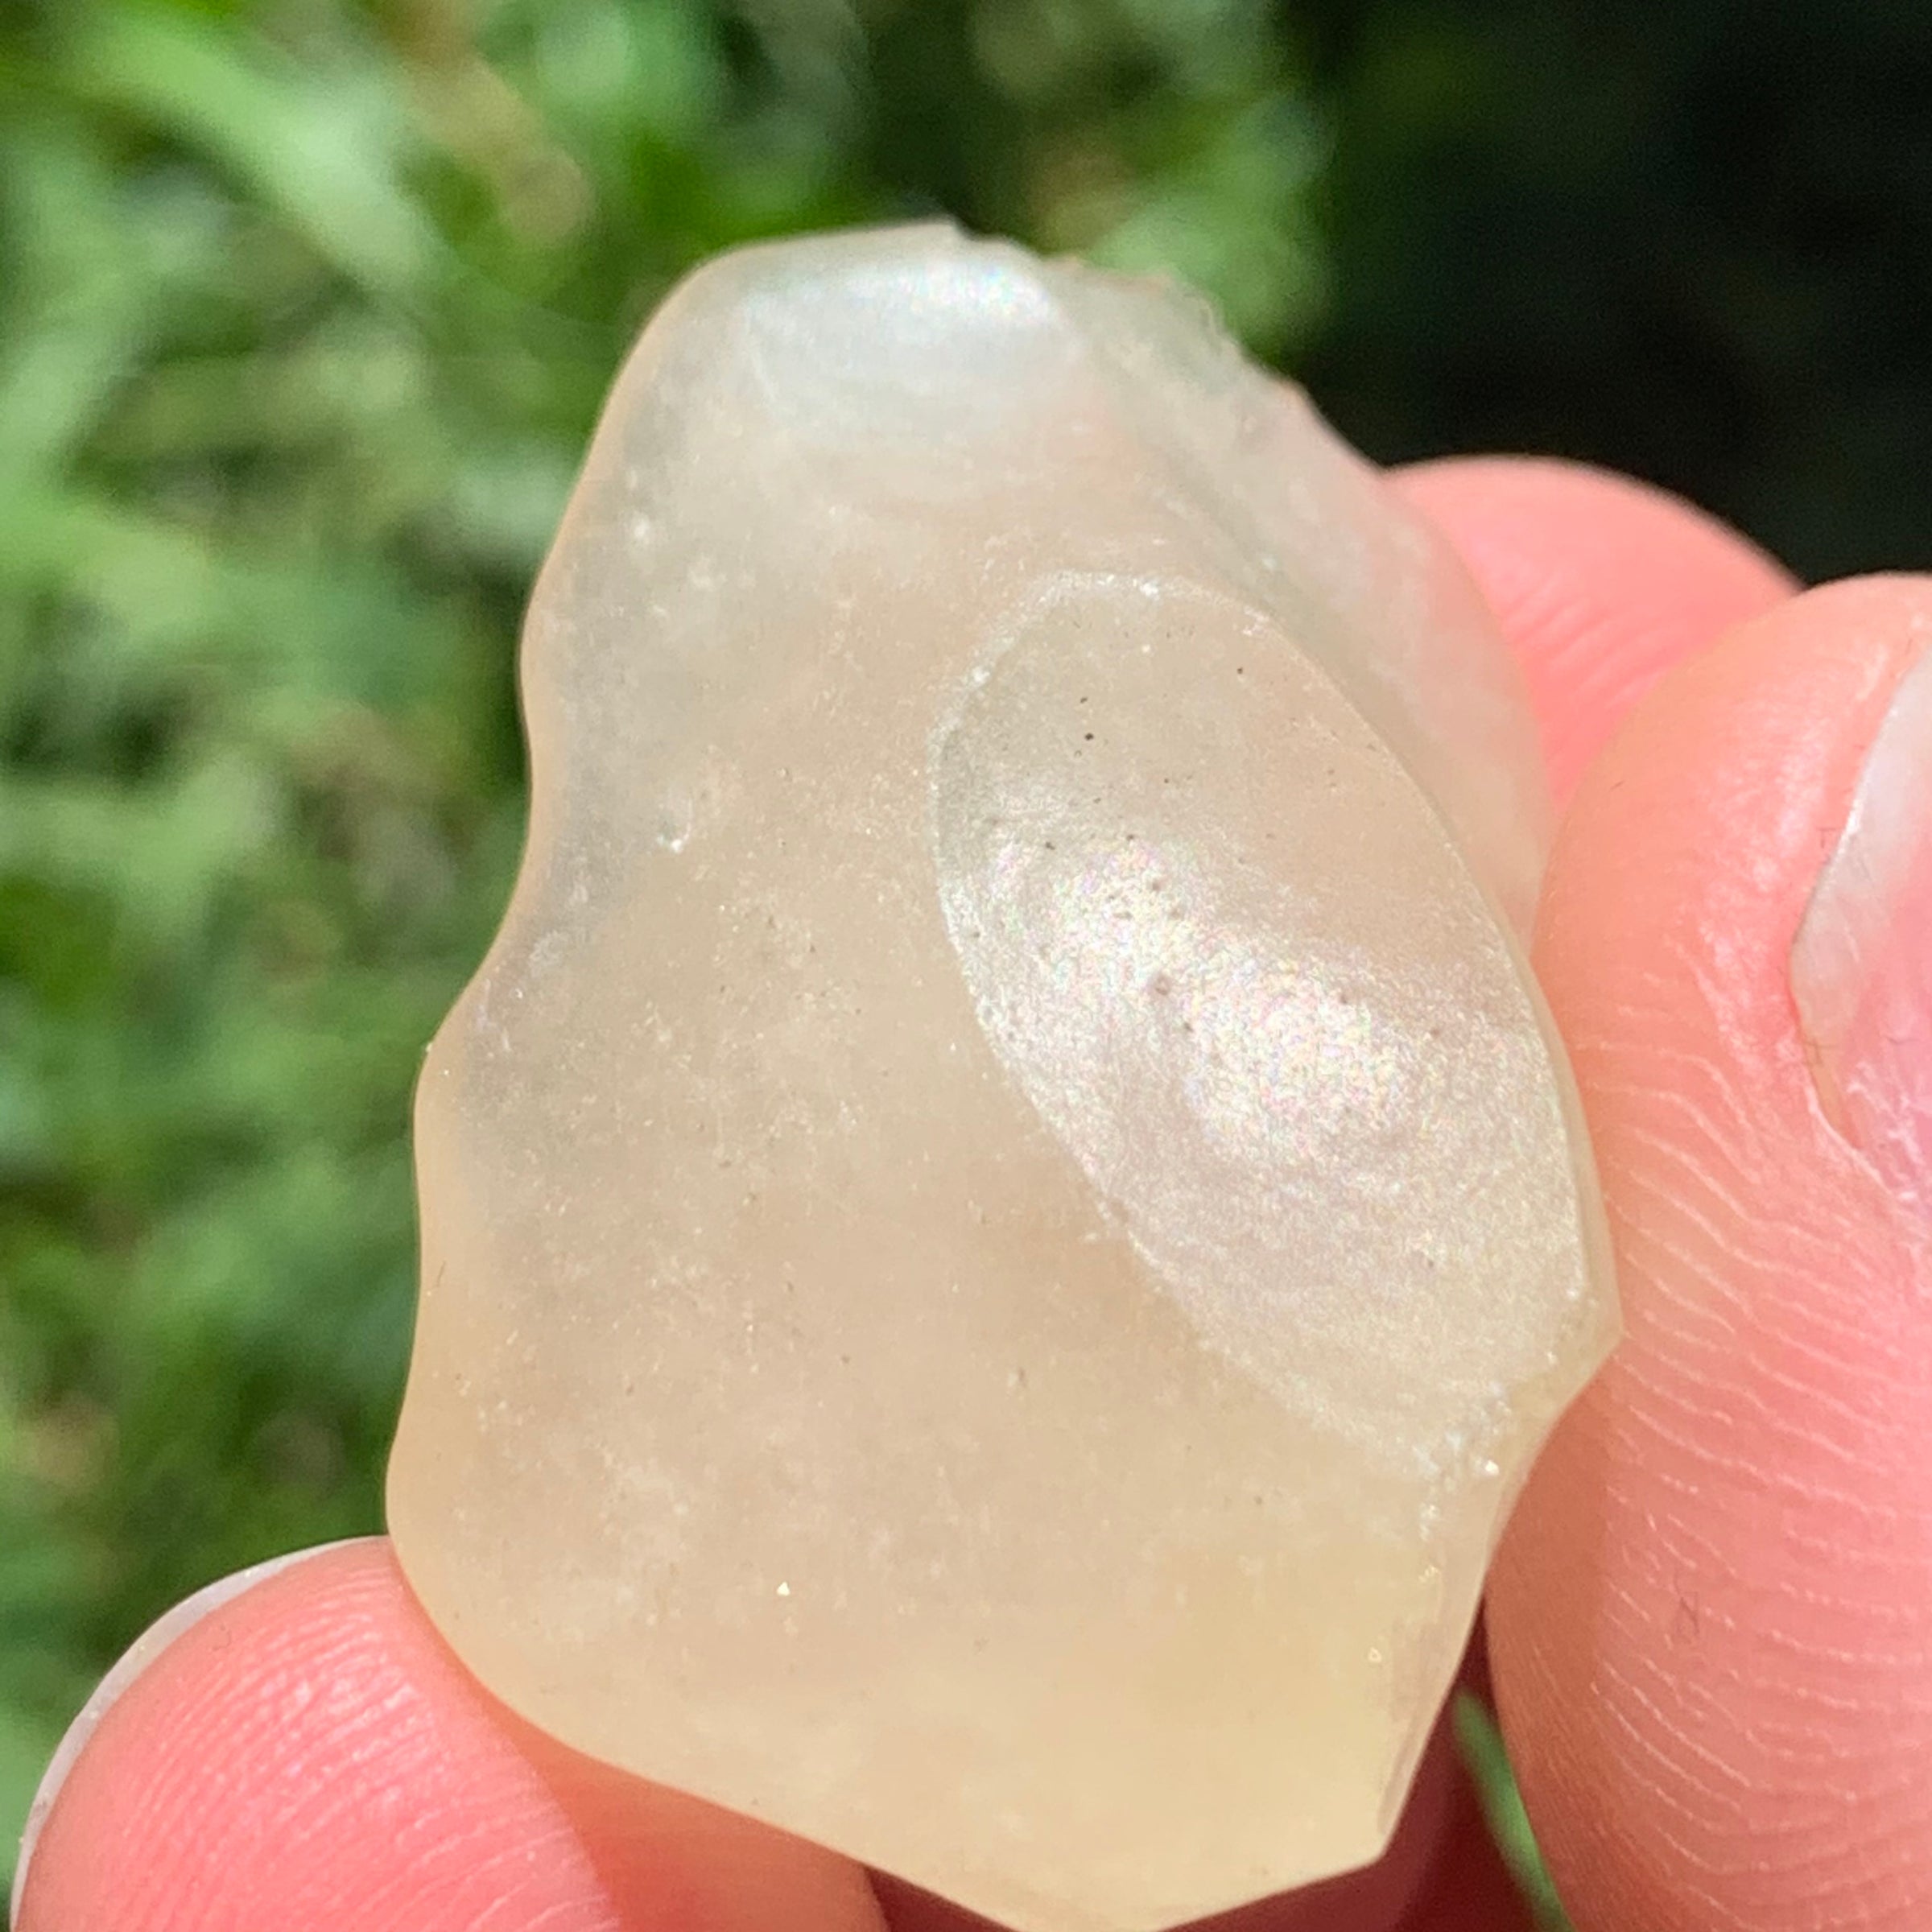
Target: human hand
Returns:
[1712, 1620]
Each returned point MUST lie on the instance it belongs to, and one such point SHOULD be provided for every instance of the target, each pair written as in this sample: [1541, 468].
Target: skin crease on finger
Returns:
[1712, 1620]
[316, 1757]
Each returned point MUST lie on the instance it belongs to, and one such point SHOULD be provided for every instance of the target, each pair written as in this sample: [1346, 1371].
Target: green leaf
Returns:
[1481, 1744]
[323, 149]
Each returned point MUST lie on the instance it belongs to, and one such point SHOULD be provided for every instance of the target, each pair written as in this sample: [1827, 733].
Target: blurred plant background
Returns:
[306, 308]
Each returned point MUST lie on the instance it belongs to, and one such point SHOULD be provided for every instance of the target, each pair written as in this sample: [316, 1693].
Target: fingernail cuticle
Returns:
[1861, 966]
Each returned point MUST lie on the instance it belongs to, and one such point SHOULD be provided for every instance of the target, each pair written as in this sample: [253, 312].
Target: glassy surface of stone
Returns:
[1003, 1218]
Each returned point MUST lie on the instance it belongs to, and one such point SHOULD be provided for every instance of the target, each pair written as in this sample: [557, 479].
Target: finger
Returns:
[1601, 584]
[1711, 1623]
[308, 1753]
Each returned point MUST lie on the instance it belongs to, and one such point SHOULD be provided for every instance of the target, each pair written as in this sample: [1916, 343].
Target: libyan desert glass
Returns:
[1003, 1219]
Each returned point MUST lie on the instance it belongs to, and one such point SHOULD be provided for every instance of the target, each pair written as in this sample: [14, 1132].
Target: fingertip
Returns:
[310, 1754]
[132, 1665]
[1601, 584]
[1709, 1620]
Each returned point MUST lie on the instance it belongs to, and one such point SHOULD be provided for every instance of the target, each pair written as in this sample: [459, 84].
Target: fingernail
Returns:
[1861, 967]
[139, 1655]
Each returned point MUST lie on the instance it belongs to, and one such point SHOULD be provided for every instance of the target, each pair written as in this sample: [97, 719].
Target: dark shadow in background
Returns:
[1690, 239]
[1686, 238]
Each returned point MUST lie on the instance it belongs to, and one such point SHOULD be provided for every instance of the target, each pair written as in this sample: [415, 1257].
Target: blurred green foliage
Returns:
[306, 308]
[305, 312]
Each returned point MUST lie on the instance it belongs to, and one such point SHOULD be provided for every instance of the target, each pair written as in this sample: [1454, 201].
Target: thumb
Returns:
[1711, 1619]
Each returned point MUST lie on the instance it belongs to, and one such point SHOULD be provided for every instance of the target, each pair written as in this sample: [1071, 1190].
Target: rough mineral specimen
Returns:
[1003, 1218]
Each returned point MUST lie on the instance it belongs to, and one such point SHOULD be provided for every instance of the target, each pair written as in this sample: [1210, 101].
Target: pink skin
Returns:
[1711, 1623]
[309, 1754]
[1601, 584]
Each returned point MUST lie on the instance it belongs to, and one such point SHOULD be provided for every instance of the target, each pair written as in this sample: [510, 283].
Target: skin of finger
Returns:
[1601, 584]
[217, 1728]
[1709, 1623]
[312, 1755]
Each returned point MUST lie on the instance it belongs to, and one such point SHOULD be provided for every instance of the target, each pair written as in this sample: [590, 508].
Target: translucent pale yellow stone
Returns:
[1003, 1218]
